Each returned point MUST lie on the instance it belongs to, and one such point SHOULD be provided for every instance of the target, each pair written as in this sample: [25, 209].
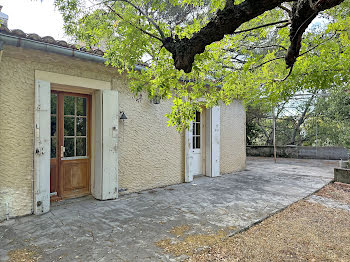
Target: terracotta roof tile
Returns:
[48, 40]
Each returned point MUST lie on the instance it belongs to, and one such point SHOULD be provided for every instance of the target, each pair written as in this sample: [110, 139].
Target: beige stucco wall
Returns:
[232, 137]
[150, 153]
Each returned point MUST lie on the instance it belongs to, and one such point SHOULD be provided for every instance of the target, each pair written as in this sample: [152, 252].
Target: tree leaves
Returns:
[241, 66]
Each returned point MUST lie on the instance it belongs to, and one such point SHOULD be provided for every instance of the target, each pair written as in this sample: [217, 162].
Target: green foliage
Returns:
[332, 118]
[246, 65]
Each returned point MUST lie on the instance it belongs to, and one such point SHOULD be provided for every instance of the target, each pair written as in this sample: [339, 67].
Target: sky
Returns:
[34, 16]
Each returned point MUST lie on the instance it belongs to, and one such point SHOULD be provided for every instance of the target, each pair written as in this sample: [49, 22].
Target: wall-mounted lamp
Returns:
[122, 116]
[156, 100]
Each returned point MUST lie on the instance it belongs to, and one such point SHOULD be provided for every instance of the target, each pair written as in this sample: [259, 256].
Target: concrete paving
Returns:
[128, 228]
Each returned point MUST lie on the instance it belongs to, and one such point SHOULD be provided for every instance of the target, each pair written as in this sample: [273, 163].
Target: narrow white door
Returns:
[196, 145]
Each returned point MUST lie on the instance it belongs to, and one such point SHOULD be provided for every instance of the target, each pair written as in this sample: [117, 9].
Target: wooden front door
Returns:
[70, 145]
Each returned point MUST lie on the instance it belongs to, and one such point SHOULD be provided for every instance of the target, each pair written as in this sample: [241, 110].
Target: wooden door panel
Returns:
[53, 176]
[75, 176]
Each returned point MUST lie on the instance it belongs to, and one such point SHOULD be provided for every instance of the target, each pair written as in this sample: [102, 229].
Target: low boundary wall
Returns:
[303, 152]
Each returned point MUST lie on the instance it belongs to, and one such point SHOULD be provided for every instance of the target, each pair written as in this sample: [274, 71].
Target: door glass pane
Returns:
[75, 126]
[69, 105]
[53, 125]
[81, 126]
[198, 142]
[69, 145]
[68, 126]
[81, 146]
[198, 129]
[198, 116]
[53, 147]
[81, 106]
[53, 103]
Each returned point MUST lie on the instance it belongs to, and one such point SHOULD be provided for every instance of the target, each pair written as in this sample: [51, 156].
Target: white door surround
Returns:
[210, 144]
[104, 180]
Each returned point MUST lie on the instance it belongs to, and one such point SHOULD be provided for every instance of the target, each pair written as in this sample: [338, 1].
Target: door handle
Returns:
[63, 149]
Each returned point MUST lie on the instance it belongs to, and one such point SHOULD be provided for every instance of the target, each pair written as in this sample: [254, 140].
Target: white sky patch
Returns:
[318, 24]
[34, 16]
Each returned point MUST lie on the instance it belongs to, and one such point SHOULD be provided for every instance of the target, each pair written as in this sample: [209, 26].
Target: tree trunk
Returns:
[301, 120]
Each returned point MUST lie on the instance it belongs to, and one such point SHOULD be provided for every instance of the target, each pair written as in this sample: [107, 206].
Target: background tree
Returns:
[330, 122]
[221, 50]
[316, 119]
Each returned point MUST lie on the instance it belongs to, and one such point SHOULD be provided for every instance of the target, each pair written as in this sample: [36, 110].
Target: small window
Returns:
[197, 131]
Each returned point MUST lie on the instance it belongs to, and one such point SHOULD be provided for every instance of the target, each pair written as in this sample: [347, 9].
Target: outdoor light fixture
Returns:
[156, 100]
[122, 116]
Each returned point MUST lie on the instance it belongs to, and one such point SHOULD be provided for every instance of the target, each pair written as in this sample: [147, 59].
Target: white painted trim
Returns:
[72, 80]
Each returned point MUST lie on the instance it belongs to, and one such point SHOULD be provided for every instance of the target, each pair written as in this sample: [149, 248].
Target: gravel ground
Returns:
[305, 231]
[337, 191]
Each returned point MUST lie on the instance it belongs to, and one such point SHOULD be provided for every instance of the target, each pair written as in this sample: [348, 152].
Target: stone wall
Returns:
[307, 152]
[342, 175]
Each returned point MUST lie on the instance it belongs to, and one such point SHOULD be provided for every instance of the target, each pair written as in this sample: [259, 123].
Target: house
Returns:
[70, 127]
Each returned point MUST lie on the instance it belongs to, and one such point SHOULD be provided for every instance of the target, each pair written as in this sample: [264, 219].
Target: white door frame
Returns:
[42, 139]
[212, 145]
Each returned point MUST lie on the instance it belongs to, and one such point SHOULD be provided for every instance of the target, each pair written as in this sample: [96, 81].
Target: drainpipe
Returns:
[46, 47]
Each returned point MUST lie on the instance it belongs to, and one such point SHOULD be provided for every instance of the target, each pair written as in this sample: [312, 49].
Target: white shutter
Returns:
[42, 147]
[106, 139]
[213, 142]
[189, 154]
[97, 186]
[215, 147]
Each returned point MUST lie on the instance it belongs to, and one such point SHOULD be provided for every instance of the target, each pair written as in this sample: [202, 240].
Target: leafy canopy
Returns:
[247, 65]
